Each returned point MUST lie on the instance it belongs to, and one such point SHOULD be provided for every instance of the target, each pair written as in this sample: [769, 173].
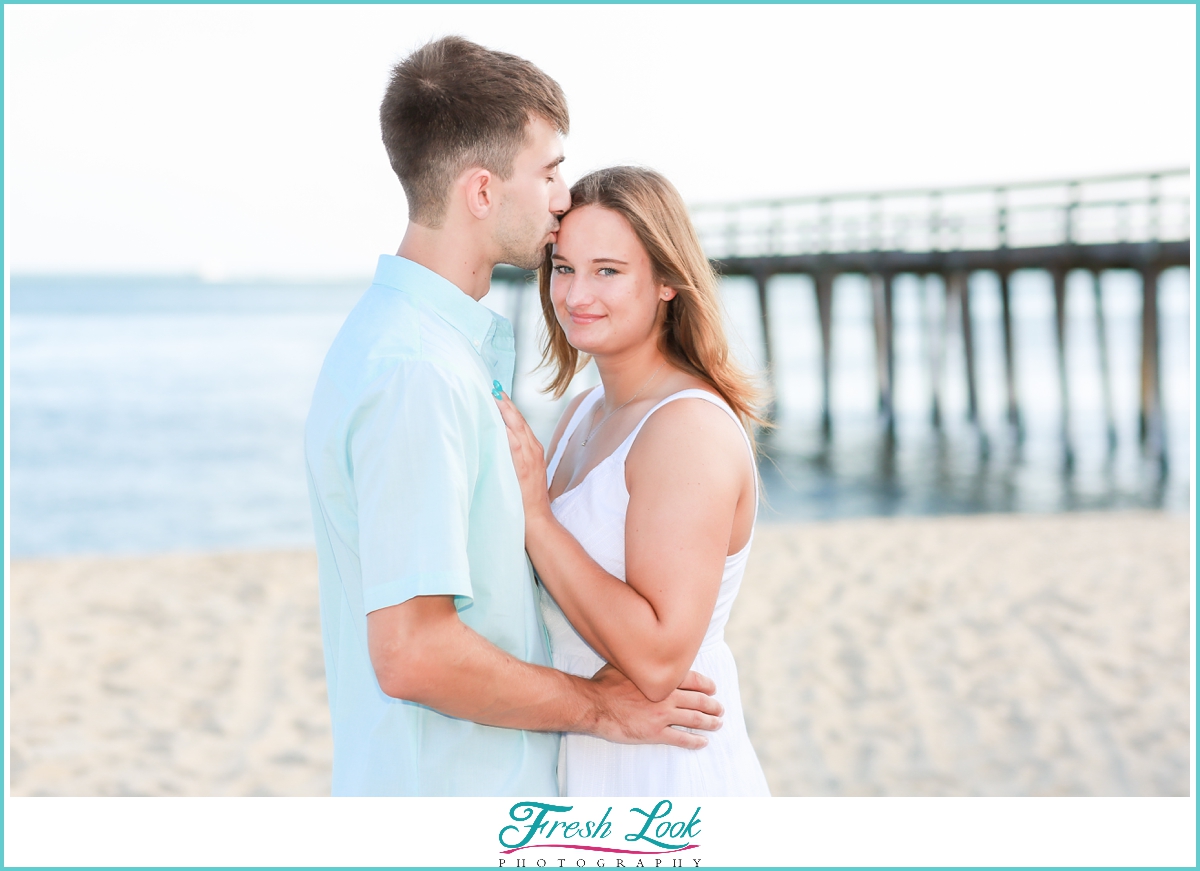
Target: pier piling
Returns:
[885, 356]
[824, 289]
[935, 327]
[1110, 420]
[1150, 420]
[1012, 409]
[962, 293]
[1059, 279]
[764, 311]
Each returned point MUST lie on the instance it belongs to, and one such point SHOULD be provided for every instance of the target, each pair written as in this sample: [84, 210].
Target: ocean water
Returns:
[160, 414]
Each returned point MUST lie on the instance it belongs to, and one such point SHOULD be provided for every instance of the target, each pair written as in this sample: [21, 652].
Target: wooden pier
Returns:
[1137, 222]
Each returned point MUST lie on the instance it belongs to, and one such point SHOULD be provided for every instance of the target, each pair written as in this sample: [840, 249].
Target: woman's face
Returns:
[603, 286]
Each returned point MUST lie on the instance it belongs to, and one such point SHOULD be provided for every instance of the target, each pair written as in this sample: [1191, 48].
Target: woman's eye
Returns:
[563, 270]
[607, 270]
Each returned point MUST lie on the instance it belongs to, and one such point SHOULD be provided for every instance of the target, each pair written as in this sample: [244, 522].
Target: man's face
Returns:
[531, 201]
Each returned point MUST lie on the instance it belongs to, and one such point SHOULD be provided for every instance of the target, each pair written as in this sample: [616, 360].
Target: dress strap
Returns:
[693, 393]
[588, 403]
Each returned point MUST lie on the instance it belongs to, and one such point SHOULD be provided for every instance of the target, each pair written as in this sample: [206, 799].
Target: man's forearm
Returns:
[424, 653]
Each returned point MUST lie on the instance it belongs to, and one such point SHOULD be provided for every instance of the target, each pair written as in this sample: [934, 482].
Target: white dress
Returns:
[594, 512]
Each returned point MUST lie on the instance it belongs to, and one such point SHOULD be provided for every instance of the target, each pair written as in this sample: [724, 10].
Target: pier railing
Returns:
[1144, 207]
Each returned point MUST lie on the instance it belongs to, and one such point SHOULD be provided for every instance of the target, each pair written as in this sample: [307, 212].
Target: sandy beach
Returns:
[985, 655]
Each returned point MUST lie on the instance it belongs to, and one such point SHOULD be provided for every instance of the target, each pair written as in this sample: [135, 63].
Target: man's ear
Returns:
[479, 190]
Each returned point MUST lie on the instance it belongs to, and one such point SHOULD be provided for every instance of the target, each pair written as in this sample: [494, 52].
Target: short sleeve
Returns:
[411, 480]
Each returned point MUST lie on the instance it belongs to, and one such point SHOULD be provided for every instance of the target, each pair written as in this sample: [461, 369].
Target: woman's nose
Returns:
[577, 292]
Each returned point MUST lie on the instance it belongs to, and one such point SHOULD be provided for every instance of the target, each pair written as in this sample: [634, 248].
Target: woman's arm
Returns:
[684, 474]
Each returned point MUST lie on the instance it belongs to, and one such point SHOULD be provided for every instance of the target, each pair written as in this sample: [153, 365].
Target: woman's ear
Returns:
[666, 293]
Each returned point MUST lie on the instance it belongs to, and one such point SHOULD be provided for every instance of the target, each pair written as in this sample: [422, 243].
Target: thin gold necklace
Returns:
[596, 428]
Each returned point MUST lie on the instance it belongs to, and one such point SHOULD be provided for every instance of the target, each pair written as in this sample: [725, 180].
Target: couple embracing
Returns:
[451, 668]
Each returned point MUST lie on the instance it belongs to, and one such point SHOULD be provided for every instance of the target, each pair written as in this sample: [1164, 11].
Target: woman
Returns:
[641, 540]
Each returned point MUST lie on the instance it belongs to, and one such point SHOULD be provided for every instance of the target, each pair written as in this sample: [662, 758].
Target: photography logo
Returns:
[640, 839]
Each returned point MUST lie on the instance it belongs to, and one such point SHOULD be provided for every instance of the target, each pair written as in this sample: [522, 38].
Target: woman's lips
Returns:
[579, 318]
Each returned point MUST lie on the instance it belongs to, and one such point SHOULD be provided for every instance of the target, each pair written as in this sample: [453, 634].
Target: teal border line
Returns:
[4, 518]
[593, 3]
[4, 524]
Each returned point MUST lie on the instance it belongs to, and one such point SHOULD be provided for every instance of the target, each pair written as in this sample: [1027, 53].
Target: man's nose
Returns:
[560, 200]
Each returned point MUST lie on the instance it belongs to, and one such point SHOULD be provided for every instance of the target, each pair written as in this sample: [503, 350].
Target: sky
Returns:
[243, 141]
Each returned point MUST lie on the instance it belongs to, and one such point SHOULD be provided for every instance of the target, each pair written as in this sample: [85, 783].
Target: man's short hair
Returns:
[452, 104]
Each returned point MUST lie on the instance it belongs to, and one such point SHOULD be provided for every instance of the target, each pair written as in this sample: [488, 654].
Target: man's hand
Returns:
[625, 716]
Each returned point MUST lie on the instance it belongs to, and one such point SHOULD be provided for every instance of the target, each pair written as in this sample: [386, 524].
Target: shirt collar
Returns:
[473, 319]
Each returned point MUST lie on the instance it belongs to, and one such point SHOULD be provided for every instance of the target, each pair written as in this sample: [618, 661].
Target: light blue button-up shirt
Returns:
[413, 493]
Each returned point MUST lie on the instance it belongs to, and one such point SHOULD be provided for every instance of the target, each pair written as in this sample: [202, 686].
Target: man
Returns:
[435, 654]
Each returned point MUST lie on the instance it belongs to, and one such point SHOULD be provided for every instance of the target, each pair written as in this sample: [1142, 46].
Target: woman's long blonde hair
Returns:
[693, 335]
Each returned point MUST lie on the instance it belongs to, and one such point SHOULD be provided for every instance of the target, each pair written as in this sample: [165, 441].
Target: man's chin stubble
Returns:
[523, 259]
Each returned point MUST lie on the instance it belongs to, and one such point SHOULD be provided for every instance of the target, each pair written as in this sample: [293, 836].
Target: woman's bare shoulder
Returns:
[689, 431]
